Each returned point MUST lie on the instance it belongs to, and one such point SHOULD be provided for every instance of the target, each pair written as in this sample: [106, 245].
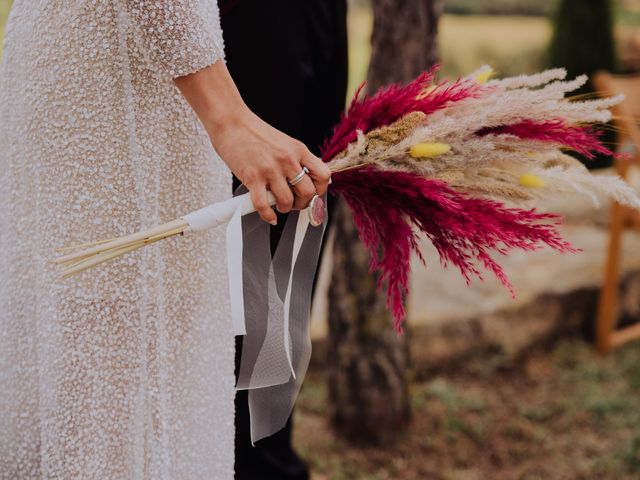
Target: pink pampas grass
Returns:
[393, 102]
[393, 200]
[466, 231]
[580, 138]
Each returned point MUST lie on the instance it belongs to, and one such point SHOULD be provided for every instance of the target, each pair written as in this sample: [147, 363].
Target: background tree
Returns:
[583, 42]
[368, 363]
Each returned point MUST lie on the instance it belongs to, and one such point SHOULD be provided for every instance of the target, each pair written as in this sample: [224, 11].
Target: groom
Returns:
[289, 60]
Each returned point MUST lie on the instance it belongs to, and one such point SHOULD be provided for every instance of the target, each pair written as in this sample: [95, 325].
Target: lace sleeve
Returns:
[178, 36]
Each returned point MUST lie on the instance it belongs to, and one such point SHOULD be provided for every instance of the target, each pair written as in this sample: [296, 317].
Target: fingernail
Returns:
[274, 222]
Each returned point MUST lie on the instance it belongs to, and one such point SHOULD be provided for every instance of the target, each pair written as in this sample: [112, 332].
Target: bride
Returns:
[111, 114]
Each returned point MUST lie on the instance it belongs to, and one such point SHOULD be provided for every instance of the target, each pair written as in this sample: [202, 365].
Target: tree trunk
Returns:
[368, 363]
[367, 359]
[403, 43]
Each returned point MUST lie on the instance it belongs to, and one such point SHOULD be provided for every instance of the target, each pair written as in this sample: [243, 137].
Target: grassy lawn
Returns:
[511, 44]
[563, 413]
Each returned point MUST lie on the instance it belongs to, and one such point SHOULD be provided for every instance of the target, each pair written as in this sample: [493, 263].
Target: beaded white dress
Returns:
[126, 371]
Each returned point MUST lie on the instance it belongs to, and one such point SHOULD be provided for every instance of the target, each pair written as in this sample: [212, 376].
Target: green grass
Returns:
[628, 17]
[360, 21]
[503, 7]
[627, 11]
[563, 413]
[511, 44]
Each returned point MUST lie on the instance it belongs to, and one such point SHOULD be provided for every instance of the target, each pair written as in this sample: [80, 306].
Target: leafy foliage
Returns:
[583, 42]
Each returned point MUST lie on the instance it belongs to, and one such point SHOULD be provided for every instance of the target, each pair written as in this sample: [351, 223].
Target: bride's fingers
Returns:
[260, 201]
[284, 196]
[318, 171]
[304, 190]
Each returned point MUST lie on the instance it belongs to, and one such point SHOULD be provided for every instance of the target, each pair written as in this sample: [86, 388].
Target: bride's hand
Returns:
[262, 157]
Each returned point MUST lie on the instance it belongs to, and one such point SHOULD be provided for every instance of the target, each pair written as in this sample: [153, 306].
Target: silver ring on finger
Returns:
[298, 178]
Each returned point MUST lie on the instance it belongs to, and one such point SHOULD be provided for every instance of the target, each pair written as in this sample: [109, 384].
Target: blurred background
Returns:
[482, 386]
[496, 388]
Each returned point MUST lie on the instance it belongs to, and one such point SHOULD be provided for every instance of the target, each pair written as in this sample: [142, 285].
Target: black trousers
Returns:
[289, 61]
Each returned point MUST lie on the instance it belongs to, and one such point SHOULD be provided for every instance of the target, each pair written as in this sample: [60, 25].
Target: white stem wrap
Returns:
[221, 212]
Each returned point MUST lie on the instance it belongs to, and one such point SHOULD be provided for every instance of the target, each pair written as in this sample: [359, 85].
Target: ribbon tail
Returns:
[301, 230]
[234, 266]
[271, 407]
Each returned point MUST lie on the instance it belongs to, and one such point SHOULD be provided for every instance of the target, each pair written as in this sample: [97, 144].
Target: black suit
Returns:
[289, 61]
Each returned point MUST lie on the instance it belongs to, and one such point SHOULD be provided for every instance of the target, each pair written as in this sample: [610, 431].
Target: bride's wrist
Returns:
[224, 118]
[224, 125]
[214, 97]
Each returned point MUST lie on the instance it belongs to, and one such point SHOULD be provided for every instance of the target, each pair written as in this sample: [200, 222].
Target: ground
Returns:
[561, 413]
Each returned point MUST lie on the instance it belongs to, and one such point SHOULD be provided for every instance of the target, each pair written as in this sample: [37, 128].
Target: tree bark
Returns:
[368, 363]
[404, 40]
[367, 359]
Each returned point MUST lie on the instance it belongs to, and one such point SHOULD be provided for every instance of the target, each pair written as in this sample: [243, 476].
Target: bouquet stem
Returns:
[103, 251]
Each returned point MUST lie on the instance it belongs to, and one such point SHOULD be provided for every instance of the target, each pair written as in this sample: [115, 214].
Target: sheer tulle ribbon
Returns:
[270, 302]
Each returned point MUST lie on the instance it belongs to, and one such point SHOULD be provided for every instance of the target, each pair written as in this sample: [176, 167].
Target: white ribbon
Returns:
[220, 213]
[234, 267]
[301, 229]
[229, 212]
[272, 376]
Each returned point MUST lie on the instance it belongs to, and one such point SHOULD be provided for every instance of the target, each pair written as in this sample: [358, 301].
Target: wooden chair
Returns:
[626, 120]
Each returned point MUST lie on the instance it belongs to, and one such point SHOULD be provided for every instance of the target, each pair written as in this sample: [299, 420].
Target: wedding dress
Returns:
[125, 371]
